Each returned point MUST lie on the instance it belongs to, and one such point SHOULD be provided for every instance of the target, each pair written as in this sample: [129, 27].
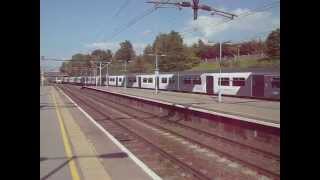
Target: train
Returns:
[251, 84]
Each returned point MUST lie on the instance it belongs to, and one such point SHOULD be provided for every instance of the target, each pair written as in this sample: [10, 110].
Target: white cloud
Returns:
[114, 46]
[212, 27]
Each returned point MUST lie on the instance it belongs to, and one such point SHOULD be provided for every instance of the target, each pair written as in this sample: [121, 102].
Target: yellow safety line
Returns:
[67, 147]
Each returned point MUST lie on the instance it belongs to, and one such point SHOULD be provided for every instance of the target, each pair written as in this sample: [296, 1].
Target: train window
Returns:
[238, 82]
[171, 80]
[275, 82]
[224, 81]
[197, 80]
[145, 80]
[187, 80]
[120, 79]
[132, 80]
[164, 80]
[150, 80]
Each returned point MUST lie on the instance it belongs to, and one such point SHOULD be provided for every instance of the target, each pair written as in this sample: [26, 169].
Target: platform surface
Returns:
[256, 109]
[72, 147]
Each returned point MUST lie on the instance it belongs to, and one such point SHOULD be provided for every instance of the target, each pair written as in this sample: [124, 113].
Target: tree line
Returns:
[177, 55]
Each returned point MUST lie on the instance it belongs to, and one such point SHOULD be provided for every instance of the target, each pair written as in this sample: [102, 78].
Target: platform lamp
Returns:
[156, 71]
[125, 71]
[101, 66]
[220, 69]
[107, 76]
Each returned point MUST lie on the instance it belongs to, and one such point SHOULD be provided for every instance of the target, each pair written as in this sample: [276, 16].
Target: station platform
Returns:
[73, 147]
[253, 110]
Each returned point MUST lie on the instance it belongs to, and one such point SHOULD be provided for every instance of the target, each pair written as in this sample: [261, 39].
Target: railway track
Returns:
[169, 167]
[264, 162]
[261, 149]
[151, 129]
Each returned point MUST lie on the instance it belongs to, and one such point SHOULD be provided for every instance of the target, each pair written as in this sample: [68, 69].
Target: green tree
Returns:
[64, 68]
[80, 64]
[102, 55]
[146, 54]
[140, 65]
[273, 43]
[177, 54]
[125, 52]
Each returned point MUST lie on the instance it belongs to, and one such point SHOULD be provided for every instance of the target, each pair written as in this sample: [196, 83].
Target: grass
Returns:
[240, 64]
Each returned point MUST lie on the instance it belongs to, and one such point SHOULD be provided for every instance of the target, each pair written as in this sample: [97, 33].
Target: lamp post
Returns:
[95, 76]
[85, 79]
[125, 74]
[220, 69]
[156, 72]
[107, 76]
[100, 71]
[100, 80]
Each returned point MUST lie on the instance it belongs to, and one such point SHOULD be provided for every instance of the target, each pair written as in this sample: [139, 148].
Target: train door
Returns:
[209, 84]
[139, 82]
[258, 85]
[116, 81]
[157, 82]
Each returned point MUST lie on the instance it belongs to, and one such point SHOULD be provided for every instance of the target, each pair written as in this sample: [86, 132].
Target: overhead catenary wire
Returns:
[123, 6]
[122, 28]
[135, 20]
[149, 11]
[256, 10]
[120, 9]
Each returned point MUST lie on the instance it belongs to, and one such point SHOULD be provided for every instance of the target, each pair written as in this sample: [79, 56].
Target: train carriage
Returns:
[112, 80]
[133, 81]
[147, 81]
[167, 82]
[241, 84]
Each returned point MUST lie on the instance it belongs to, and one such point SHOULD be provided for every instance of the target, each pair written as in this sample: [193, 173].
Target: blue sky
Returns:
[72, 26]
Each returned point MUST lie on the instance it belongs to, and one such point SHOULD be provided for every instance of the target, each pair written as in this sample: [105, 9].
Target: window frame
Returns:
[222, 81]
[275, 83]
[166, 80]
[196, 80]
[132, 79]
[145, 80]
[236, 80]
[187, 80]
[171, 80]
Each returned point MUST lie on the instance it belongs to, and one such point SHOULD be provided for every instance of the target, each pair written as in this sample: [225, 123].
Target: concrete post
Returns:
[220, 93]
[156, 72]
[100, 79]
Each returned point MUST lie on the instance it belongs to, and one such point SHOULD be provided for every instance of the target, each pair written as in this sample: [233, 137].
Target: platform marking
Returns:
[144, 167]
[67, 147]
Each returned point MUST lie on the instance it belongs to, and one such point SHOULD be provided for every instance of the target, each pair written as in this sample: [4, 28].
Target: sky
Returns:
[68, 27]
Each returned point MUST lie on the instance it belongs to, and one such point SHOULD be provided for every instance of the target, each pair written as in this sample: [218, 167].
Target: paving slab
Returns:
[94, 154]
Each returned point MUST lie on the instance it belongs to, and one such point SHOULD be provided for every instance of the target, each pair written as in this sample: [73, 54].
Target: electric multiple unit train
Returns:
[241, 84]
